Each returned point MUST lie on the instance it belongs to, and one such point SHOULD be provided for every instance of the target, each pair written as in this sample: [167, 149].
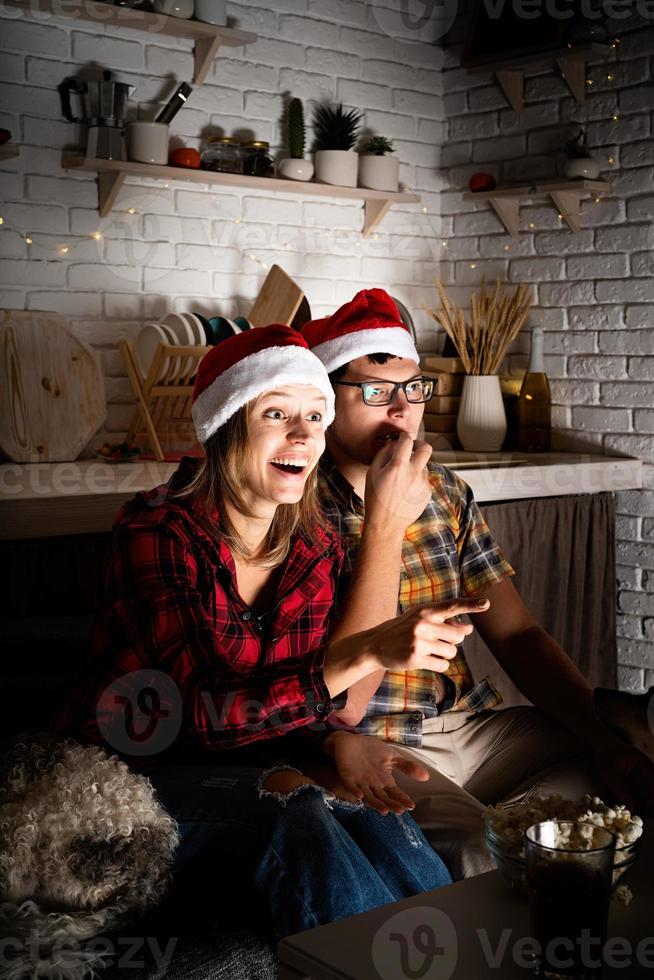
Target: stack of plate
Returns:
[218, 328]
[184, 330]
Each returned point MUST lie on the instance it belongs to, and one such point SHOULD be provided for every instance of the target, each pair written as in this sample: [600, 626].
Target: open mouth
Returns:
[290, 467]
[389, 436]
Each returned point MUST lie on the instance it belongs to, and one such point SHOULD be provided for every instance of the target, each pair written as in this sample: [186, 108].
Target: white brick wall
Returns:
[598, 284]
[186, 246]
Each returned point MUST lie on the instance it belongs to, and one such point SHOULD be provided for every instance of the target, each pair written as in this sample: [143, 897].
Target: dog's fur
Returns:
[85, 846]
[630, 715]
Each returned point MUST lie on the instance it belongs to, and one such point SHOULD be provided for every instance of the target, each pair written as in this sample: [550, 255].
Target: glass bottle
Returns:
[535, 402]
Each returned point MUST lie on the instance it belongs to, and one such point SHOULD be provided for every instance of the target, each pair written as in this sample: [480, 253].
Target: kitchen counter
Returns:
[40, 500]
[515, 476]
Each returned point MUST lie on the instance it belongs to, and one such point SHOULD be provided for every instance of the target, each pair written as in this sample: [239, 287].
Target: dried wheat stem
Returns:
[496, 318]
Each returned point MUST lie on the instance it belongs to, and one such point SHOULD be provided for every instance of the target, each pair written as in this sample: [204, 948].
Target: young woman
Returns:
[212, 649]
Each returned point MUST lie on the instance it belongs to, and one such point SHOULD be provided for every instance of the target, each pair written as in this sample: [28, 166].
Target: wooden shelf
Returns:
[9, 151]
[571, 61]
[565, 195]
[208, 38]
[112, 173]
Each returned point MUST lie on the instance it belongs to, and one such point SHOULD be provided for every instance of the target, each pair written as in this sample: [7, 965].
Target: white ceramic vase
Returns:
[579, 168]
[339, 167]
[481, 423]
[380, 173]
[295, 169]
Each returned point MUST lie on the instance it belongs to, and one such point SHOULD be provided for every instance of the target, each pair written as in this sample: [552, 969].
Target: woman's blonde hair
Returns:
[218, 482]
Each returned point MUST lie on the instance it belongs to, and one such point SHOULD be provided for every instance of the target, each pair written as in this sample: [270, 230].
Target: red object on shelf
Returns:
[185, 156]
[482, 182]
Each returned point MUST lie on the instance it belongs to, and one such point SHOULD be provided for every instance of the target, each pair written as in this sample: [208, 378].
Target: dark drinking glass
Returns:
[569, 874]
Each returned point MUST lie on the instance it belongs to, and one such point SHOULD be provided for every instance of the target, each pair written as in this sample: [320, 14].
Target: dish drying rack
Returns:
[164, 396]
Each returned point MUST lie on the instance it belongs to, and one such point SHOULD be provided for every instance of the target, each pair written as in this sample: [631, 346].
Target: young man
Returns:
[465, 754]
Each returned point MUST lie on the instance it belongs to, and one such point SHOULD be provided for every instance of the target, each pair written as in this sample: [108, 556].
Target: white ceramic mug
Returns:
[147, 142]
[211, 11]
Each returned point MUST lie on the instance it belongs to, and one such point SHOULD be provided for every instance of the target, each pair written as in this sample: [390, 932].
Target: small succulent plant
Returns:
[336, 128]
[296, 129]
[378, 146]
[577, 148]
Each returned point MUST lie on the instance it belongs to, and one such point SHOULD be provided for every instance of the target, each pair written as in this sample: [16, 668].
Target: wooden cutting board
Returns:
[51, 389]
[278, 300]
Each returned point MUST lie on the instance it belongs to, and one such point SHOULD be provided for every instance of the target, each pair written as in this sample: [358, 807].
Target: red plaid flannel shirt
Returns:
[180, 657]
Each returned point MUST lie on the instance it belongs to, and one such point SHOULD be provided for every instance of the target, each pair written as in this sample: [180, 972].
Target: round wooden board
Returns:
[51, 389]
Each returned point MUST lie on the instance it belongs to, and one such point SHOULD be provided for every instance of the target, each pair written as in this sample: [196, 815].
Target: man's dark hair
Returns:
[375, 358]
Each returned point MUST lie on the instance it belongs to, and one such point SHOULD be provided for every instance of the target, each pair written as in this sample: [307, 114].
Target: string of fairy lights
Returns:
[66, 248]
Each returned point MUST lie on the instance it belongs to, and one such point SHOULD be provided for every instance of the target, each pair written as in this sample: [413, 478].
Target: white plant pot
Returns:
[295, 169]
[380, 173]
[175, 8]
[481, 423]
[211, 11]
[583, 167]
[337, 167]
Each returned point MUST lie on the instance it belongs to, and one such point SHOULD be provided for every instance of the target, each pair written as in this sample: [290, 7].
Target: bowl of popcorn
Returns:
[506, 827]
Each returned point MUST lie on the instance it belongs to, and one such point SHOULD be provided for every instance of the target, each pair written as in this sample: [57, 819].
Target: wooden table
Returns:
[475, 928]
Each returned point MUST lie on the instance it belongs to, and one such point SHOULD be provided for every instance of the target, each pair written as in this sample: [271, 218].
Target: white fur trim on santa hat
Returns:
[378, 340]
[263, 371]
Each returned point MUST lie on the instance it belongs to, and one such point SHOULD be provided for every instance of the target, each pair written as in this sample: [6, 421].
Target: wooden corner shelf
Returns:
[564, 194]
[207, 38]
[571, 61]
[112, 173]
[9, 151]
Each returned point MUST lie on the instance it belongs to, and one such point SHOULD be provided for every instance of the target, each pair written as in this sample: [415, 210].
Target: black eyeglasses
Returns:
[417, 391]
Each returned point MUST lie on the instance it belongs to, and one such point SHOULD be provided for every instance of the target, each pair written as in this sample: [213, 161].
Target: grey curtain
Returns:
[563, 552]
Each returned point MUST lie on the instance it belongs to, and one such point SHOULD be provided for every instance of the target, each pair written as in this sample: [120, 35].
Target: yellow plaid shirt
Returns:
[448, 552]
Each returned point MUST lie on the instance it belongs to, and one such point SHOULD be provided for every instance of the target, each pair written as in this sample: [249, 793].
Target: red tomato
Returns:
[185, 156]
[482, 182]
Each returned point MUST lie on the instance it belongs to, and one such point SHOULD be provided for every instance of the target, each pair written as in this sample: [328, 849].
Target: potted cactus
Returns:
[295, 167]
[376, 170]
[580, 164]
[336, 131]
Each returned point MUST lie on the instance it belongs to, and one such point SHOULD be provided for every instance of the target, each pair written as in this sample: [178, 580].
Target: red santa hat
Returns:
[368, 324]
[238, 369]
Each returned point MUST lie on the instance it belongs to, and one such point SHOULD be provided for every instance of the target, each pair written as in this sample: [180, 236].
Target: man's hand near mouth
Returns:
[397, 483]
[397, 492]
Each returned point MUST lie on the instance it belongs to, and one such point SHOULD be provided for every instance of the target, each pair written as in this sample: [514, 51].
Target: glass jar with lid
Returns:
[257, 161]
[223, 154]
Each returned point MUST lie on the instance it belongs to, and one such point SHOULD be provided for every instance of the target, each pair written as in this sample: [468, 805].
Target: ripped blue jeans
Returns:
[311, 858]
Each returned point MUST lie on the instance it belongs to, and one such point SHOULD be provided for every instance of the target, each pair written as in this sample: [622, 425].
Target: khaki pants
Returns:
[475, 760]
